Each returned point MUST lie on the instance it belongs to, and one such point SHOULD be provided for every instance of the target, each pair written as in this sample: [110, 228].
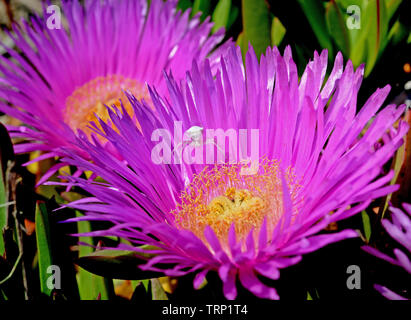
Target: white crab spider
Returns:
[195, 135]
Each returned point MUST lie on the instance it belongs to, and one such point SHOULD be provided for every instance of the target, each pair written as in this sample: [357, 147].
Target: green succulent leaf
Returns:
[221, 15]
[277, 32]
[6, 154]
[90, 285]
[45, 259]
[377, 29]
[315, 14]
[336, 24]
[234, 12]
[3, 211]
[256, 26]
[184, 4]
[202, 6]
[366, 225]
[157, 290]
[117, 264]
[392, 6]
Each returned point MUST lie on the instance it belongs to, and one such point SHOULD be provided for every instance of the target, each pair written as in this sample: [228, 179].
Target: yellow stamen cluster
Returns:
[92, 96]
[221, 195]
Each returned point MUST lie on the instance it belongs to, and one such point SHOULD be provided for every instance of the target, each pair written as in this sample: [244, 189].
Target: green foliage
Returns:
[45, 257]
[6, 155]
[336, 25]
[315, 13]
[3, 210]
[277, 32]
[397, 164]
[256, 26]
[90, 285]
[366, 225]
[184, 4]
[157, 290]
[117, 264]
[202, 6]
[221, 14]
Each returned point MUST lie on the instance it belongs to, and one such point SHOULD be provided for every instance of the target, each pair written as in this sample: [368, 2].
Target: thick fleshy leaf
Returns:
[277, 32]
[256, 25]
[43, 246]
[399, 164]
[6, 154]
[392, 6]
[157, 290]
[221, 15]
[3, 211]
[402, 168]
[202, 6]
[315, 13]
[184, 4]
[234, 12]
[376, 14]
[336, 25]
[90, 285]
[366, 225]
[116, 264]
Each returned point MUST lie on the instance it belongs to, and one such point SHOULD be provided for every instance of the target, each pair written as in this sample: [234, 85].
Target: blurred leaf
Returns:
[3, 296]
[312, 294]
[366, 225]
[396, 34]
[43, 245]
[233, 16]
[201, 6]
[117, 264]
[6, 154]
[314, 11]
[398, 161]
[221, 15]
[376, 17]
[184, 4]
[157, 290]
[239, 40]
[90, 285]
[3, 211]
[336, 25]
[256, 26]
[392, 6]
[404, 175]
[277, 32]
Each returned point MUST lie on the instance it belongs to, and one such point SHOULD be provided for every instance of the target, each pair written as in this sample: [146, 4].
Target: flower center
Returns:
[90, 99]
[222, 195]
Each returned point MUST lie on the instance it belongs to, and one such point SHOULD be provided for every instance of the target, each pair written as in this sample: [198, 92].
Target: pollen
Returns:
[91, 98]
[222, 195]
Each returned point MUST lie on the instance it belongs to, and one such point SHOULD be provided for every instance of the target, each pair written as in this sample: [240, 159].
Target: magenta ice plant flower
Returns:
[56, 80]
[400, 230]
[317, 163]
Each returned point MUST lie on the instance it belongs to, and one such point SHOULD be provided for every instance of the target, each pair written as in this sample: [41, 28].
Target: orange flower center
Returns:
[222, 195]
[89, 99]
